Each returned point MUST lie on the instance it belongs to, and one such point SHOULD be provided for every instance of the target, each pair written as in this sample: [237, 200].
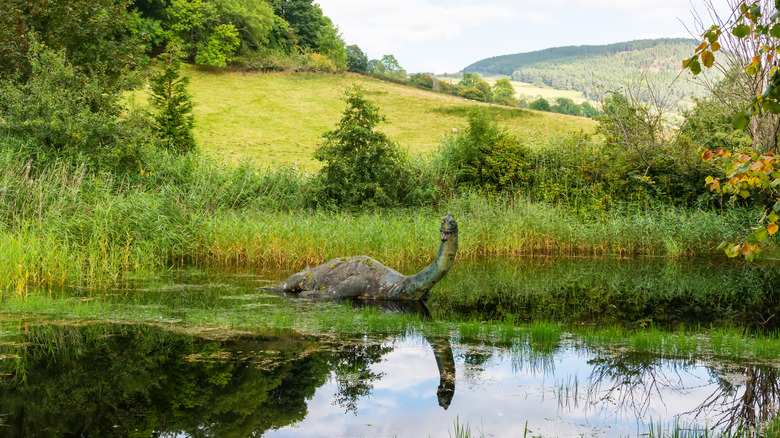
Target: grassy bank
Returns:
[66, 227]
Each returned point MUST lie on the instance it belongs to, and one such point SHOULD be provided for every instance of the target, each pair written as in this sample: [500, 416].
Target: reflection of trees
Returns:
[751, 399]
[630, 380]
[105, 380]
[354, 378]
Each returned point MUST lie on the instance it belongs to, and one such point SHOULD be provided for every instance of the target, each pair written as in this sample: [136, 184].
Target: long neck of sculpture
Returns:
[425, 279]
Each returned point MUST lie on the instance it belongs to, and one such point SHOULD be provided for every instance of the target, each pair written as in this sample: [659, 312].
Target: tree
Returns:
[363, 167]
[588, 110]
[540, 104]
[421, 80]
[59, 112]
[96, 36]
[357, 61]
[566, 106]
[174, 119]
[503, 90]
[749, 42]
[753, 34]
[469, 80]
[392, 67]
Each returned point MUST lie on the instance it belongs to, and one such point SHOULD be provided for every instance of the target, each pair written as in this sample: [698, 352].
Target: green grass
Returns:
[531, 92]
[279, 118]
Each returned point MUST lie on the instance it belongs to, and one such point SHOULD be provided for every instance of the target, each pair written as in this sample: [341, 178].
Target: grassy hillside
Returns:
[279, 118]
[585, 68]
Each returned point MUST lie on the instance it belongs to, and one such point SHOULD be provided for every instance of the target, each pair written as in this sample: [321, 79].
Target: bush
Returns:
[486, 156]
[61, 113]
[363, 167]
[540, 104]
[473, 94]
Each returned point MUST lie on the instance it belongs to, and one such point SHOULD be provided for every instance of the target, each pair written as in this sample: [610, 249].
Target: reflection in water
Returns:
[746, 395]
[136, 380]
[442, 350]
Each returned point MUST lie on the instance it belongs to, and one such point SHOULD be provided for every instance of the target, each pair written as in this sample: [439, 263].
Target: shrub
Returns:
[169, 95]
[363, 167]
[473, 94]
[61, 113]
[540, 104]
[487, 156]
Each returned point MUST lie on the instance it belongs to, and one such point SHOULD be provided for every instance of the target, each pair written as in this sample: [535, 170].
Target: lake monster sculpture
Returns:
[362, 277]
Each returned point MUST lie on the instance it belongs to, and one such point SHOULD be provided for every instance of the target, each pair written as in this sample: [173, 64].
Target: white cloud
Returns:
[380, 26]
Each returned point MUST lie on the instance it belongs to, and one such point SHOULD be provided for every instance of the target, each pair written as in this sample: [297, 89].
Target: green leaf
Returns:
[744, 193]
[772, 217]
[759, 235]
[756, 11]
[695, 66]
[722, 245]
[776, 207]
[774, 31]
[740, 120]
[741, 31]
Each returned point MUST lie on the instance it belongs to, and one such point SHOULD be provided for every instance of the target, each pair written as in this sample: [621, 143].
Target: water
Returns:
[195, 355]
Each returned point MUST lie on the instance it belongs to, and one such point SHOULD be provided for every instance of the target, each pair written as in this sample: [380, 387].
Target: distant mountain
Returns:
[590, 68]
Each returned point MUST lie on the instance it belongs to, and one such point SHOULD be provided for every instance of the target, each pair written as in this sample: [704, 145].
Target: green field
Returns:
[531, 92]
[279, 118]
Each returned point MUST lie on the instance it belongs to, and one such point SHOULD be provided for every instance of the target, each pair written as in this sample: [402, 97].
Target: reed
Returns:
[61, 225]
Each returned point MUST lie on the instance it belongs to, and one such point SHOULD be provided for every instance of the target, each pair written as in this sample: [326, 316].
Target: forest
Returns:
[594, 69]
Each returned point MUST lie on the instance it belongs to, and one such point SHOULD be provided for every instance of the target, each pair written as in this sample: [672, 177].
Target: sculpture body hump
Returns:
[363, 277]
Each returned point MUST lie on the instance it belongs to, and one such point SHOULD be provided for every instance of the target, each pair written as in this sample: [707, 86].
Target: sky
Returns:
[444, 36]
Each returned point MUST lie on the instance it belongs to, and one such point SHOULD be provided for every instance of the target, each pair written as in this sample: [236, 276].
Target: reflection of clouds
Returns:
[500, 398]
[407, 368]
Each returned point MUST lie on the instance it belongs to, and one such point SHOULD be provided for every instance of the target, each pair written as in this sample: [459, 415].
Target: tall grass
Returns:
[62, 225]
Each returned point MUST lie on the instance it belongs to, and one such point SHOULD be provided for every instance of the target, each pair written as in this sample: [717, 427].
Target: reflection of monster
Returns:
[365, 278]
[445, 361]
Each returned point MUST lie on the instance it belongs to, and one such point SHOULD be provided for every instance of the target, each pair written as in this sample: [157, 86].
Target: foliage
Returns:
[486, 156]
[362, 166]
[566, 106]
[221, 44]
[540, 104]
[749, 174]
[96, 36]
[708, 124]
[588, 110]
[421, 80]
[357, 61]
[503, 90]
[392, 67]
[589, 68]
[473, 94]
[61, 113]
[174, 119]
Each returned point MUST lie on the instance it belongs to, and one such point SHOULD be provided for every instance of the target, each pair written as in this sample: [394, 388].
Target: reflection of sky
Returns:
[497, 399]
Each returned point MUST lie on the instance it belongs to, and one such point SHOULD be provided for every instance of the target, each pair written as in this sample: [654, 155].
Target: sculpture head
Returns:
[448, 227]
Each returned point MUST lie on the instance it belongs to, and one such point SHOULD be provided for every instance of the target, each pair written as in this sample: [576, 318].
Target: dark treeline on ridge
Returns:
[591, 68]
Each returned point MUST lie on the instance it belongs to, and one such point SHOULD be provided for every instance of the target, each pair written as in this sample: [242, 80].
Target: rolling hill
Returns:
[591, 69]
[279, 118]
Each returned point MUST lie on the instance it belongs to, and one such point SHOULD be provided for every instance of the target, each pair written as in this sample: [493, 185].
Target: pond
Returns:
[193, 354]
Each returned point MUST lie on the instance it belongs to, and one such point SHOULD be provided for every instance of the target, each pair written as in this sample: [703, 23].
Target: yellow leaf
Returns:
[715, 46]
[702, 46]
[707, 58]
[746, 248]
[772, 228]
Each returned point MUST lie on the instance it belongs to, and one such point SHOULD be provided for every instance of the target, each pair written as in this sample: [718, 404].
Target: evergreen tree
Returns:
[363, 167]
[174, 119]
